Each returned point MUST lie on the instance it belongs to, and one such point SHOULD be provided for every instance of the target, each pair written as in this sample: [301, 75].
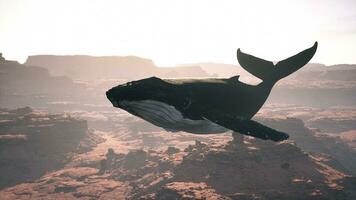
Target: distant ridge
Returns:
[116, 67]
[87, 67]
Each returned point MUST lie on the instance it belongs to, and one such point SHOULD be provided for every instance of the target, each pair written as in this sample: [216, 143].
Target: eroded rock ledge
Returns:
[33, 143]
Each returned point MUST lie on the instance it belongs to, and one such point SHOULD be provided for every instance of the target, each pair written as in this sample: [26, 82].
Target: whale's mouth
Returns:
[114, 102]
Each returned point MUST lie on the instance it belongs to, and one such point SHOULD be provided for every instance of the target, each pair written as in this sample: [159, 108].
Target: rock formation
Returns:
[333, 150]
[22, 85]
[33, 143]
[255, 170]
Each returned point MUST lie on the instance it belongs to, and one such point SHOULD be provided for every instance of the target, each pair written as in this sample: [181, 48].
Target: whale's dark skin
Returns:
[226, 102]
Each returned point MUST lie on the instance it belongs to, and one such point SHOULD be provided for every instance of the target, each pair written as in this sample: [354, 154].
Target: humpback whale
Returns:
[208, 106]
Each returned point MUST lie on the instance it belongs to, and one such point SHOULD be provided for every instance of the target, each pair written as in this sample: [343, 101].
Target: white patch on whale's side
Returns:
[168, 117]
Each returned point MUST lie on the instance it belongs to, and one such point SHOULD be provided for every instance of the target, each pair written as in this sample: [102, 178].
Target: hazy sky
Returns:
[174, 32]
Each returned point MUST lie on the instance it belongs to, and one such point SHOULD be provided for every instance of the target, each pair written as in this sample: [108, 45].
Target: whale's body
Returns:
[204, 106]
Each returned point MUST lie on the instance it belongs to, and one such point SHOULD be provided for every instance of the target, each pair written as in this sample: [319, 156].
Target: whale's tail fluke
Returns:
[267, 71]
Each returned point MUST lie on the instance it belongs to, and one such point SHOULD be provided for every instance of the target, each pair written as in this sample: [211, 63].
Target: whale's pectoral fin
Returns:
[248, 127]
[255, 129]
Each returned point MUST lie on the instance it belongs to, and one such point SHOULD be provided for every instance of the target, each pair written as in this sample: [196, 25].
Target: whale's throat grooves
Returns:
[168, 117]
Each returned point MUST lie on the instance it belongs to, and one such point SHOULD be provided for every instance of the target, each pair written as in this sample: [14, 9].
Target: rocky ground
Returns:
[229, 168]
[238, 169]
[33, 143]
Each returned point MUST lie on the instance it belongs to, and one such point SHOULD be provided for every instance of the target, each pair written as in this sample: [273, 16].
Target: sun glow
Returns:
[174, 32]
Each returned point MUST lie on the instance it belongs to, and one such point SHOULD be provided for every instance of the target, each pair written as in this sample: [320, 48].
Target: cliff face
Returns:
[22, 85]
[90, 67]
[17, 78]
[32, 144]
[337, 153]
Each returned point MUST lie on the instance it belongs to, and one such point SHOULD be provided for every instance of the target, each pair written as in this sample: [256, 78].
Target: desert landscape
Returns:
[60, 138]
[177, 100]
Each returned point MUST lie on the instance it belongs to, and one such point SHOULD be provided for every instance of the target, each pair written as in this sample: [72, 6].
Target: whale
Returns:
[209, 106]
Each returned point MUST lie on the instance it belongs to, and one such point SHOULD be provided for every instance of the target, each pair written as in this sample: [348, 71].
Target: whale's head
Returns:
[135, 91]
[115, 95]
[130, 91]
[149, 100]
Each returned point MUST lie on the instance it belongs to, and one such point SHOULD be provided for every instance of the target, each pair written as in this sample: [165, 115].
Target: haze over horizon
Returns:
[176, 32]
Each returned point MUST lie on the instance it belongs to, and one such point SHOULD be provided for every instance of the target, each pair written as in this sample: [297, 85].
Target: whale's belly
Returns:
[168, 117]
